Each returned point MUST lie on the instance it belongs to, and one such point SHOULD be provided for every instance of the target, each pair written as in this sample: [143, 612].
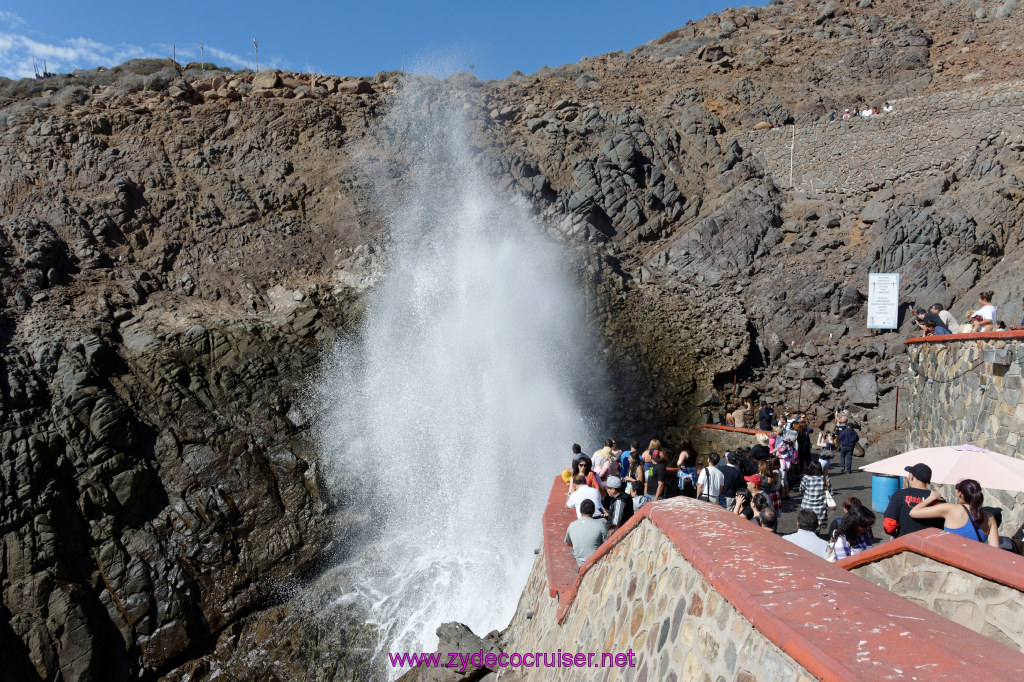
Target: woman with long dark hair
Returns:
[635, 475]
[687, 462]
[854, 534]
[585, 467]
[966, 518]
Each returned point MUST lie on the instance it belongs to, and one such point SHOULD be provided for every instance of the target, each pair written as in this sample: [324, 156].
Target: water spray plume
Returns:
[458, 401]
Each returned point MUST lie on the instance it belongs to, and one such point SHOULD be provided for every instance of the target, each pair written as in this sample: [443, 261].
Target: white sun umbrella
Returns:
[953, 463]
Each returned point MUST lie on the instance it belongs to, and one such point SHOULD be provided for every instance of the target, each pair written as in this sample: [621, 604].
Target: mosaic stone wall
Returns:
[958, 397]
[994, 610]
[677, 625]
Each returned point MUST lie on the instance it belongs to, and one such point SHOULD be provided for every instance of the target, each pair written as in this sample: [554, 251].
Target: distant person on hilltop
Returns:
[586, 533]
[833, 115]
[897, 520]
[846, 114]
[888, 108]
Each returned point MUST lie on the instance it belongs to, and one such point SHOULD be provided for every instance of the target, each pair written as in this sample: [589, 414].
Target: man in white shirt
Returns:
[584, 492]
[709, 482]
[805, 537]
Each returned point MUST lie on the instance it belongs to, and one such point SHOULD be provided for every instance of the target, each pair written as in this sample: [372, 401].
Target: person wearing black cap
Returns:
[897, 520]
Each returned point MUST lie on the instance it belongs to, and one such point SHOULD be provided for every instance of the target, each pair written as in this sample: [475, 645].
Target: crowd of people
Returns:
[937, 320]
[609, 487]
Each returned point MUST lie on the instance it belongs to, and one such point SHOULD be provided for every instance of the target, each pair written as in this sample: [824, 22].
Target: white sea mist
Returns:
[458, 400]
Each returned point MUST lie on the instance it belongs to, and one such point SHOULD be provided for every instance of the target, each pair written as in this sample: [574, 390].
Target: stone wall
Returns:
[923, 138]
[957, 397]
[984, 593]
[721, 439]
[669, 615]
[695, 592]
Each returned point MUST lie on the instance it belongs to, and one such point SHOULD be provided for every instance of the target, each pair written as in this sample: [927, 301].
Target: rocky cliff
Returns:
[180, 248]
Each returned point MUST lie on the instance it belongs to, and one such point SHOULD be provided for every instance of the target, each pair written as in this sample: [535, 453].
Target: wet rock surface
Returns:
[179, 250]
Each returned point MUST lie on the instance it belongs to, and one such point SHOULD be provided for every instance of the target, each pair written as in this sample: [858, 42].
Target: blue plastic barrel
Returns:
[883, 487]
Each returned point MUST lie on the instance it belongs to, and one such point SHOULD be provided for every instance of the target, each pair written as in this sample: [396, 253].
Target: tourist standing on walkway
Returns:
[584, 467]
[657, 480]
[635, 476]
[620, 505]
[586, 533]
[687, 463]
[583, 492]
[897, 520]
[765, 416]
[709, 482]
[624, 459]
[806, 537]
[812, 485]
[847, 438]
[742, 506]
[760, 451]
[732, 480]
[966, 518]
[770, 481]
[854, 534]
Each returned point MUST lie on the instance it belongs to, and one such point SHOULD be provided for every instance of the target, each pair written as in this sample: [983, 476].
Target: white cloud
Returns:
[17, 51]
[11, 19]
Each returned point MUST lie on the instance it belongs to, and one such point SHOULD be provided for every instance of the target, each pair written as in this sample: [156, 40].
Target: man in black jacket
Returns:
[732, 479]
[847, 438]
[619, 506]
[765, 416]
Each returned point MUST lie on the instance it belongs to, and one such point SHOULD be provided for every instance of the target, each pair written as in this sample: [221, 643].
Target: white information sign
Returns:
[883, 300]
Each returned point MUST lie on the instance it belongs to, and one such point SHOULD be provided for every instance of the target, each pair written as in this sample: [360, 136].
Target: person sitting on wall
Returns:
[620, 505]
[586, 533]
[984, 318]
[948, 321]
[897, 520]
[806, 535]
[582, 493]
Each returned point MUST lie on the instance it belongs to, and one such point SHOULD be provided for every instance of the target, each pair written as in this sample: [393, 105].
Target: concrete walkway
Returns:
[857, 484]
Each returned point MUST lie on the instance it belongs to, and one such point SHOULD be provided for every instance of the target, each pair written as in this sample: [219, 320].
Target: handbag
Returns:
[830, 501]
[830, 549]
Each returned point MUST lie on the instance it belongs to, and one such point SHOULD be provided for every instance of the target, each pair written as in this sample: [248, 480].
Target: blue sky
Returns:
[345, 38]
